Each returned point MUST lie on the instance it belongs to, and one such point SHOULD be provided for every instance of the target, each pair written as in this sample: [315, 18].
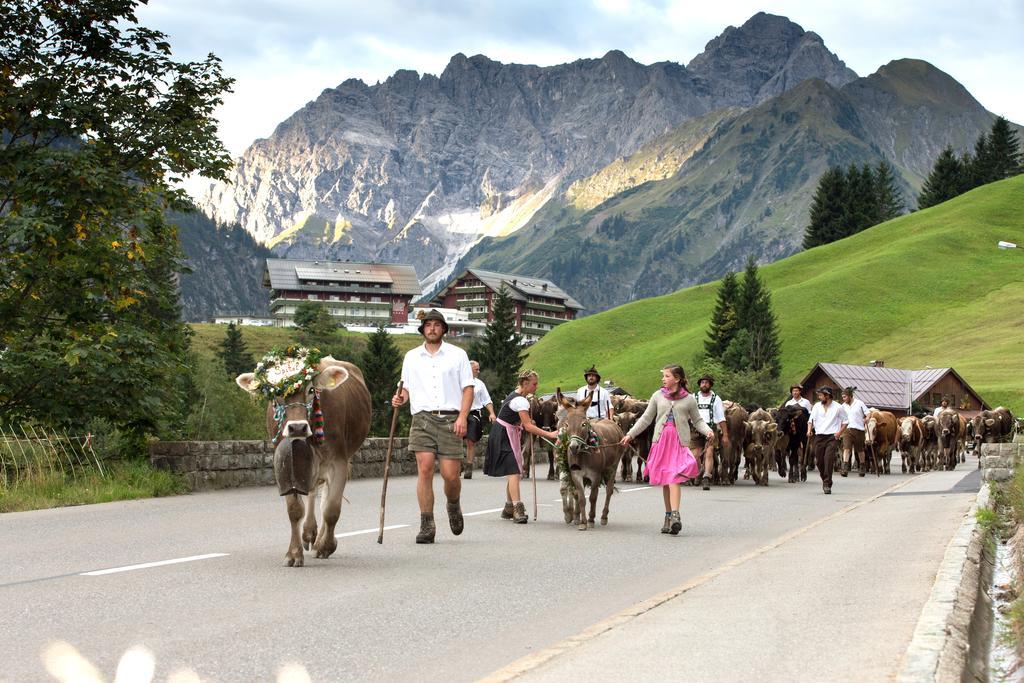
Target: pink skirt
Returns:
[669, 462]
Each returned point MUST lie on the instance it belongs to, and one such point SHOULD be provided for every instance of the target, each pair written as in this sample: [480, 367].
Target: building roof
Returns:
[519, 286]
[883, 387]
[283, 274]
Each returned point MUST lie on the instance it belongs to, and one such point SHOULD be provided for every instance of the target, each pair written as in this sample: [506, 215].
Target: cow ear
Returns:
[331, 376]
[246, 381]
[772, 427]
[990, 422]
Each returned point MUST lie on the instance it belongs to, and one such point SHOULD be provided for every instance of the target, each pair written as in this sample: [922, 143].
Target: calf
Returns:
[760, 437]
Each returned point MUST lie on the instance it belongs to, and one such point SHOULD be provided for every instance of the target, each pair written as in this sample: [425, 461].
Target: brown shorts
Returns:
[853, 439]
[435, 434]
[698, 442]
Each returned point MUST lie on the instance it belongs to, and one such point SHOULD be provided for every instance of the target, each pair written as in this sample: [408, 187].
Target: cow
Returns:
[340, 391]
[543, 415]
[736, 424]
[593, 454]
[910, 441]
[992, 426]
[792, 421]
[625, 420]
[930, 449]
[947, 431]
[758, 449]
[879, 438]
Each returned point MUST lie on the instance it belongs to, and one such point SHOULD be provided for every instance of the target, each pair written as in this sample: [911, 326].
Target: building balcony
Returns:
[527, 328]
[545, 307]
[478, 316]
[542, 319]
[462, 303]
[470, 289]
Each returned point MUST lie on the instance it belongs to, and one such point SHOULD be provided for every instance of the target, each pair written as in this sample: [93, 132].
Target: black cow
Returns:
[792, 421]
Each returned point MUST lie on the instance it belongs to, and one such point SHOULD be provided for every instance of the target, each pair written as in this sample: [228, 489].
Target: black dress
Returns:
[500, 459]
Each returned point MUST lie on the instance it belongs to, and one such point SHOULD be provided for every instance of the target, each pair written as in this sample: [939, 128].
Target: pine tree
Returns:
[888, 198]
[1004, 149]
[758, 321]
[978, 169]
[381, 364]
[501, 351]
[859, 200]
[316, 328]
[827, 209]
[234, 354]
[945, 181]
[724, 319]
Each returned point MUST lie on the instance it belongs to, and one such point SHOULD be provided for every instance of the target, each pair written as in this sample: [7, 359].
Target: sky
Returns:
[284, 53]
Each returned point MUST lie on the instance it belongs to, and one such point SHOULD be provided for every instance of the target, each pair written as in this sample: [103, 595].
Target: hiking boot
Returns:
[455, 520]
[705, 484]
[506, 512]
[468, 474]
[667, 526]
[519, 514]
[427, 529]
[828, 490]
[677, 524]
[845, 470]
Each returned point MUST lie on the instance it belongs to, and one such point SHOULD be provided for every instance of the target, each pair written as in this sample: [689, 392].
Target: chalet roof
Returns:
[282, 274]
[882, 387]
[520, 287]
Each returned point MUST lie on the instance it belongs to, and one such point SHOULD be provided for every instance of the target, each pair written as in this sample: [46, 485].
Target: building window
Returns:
[311, 297]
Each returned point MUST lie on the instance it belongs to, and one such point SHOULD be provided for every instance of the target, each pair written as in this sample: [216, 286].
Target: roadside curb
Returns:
[951, 637]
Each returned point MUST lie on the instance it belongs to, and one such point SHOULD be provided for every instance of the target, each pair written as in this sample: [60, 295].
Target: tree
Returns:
[761, 341]
[234, 354]
[888, 198]
[99, 125]
[724, 319]
[859, 200]
[1004, 150]
[946, 180]
[827, 209]
[381, 364]
[316, 328]
[501, 351]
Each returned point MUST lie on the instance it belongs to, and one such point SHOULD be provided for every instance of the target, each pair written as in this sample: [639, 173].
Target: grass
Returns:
[928, 288]
[124, 481]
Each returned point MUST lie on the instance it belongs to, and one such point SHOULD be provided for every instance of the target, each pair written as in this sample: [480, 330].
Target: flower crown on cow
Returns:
[280, 373]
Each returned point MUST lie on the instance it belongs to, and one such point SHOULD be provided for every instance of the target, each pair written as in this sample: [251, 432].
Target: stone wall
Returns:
[998, 460]
[226, 464]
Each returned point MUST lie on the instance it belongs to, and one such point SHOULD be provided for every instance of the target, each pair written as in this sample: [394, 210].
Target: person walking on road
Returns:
[828, 420]
[504, 456]
[672, 409]
[438, 384]
[796, 398]
[711, 409]
[601, 405]
[943, 404]
[853, 435]
[474, 424]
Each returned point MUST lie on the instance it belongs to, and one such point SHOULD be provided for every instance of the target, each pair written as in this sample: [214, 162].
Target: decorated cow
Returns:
[318, 415]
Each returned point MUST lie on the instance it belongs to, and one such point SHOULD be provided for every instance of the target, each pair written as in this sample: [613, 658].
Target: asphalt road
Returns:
[456, 610]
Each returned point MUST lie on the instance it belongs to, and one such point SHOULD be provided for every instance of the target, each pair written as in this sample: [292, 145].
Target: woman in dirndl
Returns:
[672, 409]
[504, 456]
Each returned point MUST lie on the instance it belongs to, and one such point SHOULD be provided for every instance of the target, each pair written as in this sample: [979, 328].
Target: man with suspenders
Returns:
[709, 404]
[601, 405]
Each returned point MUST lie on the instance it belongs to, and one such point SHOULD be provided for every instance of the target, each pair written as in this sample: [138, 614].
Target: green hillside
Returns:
[930, 288]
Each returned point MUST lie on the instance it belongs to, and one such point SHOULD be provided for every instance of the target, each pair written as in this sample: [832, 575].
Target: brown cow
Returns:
[345, 404]
[736, 424]
[593, 455]
[930, 450]
[759, 448]
[879, 438]
[992, 426]
[910, 442]
[949, 434]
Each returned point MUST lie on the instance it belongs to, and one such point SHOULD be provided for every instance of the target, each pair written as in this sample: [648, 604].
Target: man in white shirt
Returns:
[709, 405]
[828, 420]
[797, 399]
[601, 405]
[853, 435]
[942, 406]
[438, 384]
[475, 425]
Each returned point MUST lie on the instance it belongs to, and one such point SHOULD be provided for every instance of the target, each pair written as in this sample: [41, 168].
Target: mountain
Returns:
[928, 288]
[417, 169]
[746, 191]
[225, 269]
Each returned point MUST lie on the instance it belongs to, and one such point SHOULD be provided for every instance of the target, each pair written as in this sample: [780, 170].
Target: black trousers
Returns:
[825, 447]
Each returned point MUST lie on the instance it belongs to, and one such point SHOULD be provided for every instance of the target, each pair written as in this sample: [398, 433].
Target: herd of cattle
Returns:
[776, 439]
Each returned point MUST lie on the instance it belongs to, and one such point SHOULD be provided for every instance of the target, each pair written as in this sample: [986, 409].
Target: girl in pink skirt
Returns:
[672, 409]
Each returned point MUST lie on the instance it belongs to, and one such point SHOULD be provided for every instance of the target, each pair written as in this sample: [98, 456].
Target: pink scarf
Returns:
[515, 435]
[680, 393]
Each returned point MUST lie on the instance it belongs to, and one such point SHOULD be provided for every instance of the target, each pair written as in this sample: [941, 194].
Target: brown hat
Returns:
[796, 386]
[433, 314]
[825, 390]
[592, 370]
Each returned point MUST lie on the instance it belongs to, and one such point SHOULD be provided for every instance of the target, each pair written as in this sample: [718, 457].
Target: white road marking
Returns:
[482, 512]
[374, 530]
[147, 565]
[639, 488]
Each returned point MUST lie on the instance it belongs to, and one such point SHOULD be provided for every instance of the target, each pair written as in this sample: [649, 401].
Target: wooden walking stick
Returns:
[387, 464]
[533, 475]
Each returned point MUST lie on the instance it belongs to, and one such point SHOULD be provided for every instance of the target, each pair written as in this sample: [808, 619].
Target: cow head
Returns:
[293, 410]
[948, 426]
[906, 429]
[869, 429]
